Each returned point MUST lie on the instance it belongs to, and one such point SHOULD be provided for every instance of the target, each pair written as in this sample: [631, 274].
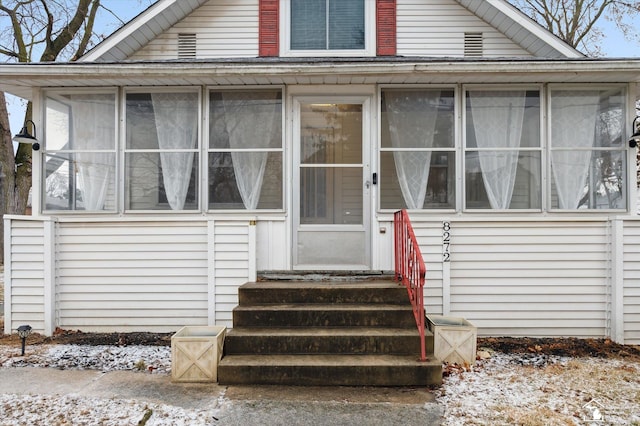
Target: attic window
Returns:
[186, 46]
[473, 44]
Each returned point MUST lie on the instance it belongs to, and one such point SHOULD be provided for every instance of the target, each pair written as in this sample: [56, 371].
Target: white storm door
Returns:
[331, 188]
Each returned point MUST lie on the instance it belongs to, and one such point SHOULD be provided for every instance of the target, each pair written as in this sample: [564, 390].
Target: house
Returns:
[209, 140]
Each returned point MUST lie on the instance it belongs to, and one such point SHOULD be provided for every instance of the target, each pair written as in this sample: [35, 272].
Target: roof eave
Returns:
[117, 47]
[21, 79]
[529, 25]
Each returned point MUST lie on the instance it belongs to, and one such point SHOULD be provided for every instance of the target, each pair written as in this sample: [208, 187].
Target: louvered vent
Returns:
[473, 44]
[186, 46]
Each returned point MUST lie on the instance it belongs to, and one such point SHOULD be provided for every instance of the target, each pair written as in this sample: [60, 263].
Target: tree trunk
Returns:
[15, 171]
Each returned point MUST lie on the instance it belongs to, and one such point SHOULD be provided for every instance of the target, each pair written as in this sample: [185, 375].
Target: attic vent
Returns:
[186, 46]
[472, 44]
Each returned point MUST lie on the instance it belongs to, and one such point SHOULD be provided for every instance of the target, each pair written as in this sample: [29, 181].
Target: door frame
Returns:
[364, 96]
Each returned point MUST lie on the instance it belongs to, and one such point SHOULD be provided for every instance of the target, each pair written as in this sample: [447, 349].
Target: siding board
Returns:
[436, 28]
[230, 29]
[132, 276]
[26, 274]
[523, 277]
[225, 29]
[631, 281]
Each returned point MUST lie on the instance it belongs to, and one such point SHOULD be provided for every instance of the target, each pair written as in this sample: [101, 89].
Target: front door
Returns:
[331, 200]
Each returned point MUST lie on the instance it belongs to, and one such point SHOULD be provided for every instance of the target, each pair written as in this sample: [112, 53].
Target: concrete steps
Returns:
[329, 370]
[323, 340]
[338, 333]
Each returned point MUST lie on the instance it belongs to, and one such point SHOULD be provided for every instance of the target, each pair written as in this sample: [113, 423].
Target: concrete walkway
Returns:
[255, 405]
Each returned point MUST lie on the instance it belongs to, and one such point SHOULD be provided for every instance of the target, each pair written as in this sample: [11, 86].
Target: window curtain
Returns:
[412, 120]
[93, 128]
[176, 120]
[497, 122]
[250, 119]
[573, 124]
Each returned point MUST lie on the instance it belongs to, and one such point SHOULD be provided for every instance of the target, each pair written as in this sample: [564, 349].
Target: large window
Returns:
[588, 151]
[502, 160]
[331, 26]
[80, 151]
[245, 149]
[161, 150]
[510, 155]
[417, 158]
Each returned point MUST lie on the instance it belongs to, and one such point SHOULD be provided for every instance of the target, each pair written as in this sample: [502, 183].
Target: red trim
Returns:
[269, 28]
[386, 27]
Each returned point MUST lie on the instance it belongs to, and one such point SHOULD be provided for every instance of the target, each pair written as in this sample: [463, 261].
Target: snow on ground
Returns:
[28, 410]
[502, 390]
[103, 358]
[543, 390]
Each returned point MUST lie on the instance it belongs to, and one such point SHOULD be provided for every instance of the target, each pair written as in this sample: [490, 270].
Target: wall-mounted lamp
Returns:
[25, 137]
[23, 332]
[635, 137]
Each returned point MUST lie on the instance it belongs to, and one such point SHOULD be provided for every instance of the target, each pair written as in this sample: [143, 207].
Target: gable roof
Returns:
[136, 33]
[163, 14]
[520, 28]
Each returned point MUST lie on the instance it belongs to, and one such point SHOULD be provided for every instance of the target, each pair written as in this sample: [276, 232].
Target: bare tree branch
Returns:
[88, 31]
[578, 22]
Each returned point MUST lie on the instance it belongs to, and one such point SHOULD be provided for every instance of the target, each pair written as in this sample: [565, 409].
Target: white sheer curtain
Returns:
[573, 124]
[250, 119]
[497, 122]
[93, 125]
[412, 120]
[176, 119]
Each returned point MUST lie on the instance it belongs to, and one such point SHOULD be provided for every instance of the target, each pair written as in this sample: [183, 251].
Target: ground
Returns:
[563, 347]
[516, 381]
[77, 337]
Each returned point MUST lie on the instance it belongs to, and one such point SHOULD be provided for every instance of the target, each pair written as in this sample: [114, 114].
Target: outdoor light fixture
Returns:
[23, 332]
[635, 138]
[25, 137]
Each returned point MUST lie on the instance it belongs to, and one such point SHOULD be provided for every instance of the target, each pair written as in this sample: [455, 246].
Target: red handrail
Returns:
[410, 270]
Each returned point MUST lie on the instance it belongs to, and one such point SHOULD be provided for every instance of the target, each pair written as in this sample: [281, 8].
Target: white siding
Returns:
[516, 277]
[631, 287]
[132, 276]
[231, 248]
[520, 278]
[429, 236]
[229, 29]
[436, 28]
[272, 248]
[530, 279]
[223, 28]
[24, 274]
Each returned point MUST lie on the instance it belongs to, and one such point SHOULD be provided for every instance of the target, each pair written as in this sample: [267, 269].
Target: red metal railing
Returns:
[410, 270]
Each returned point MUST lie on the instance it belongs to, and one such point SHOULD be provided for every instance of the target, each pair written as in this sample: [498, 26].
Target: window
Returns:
[588, 152]
[245, 149]
[333, 26]
[417, 159]
[80, 151]
[161, 151]
[512, 159]
[502, 149]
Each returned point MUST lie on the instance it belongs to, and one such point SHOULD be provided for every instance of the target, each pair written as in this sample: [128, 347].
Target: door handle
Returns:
[375, 178]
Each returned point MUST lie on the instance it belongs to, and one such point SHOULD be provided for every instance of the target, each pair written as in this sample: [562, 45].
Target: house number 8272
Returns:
[446, 241]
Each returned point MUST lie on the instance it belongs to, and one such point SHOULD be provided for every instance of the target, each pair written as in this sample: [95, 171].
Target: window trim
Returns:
[369, 37]
[541, 148]
[455, 149]
[629, 188]
[53, 92]
[206, 149]
[123, 150]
